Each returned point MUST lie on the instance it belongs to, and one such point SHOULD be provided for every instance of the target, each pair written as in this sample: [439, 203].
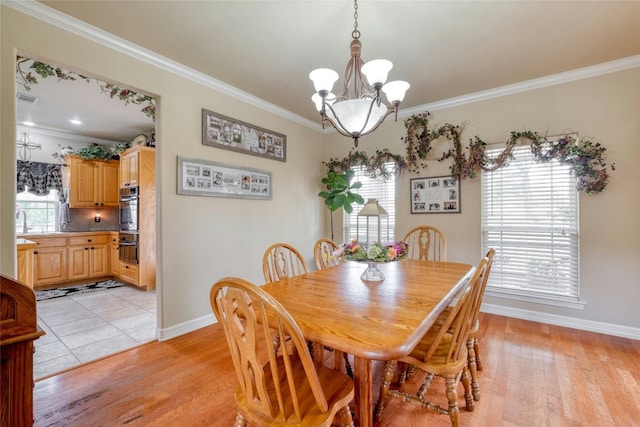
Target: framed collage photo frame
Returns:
[205, 178]
[438, 194]
[235, 135]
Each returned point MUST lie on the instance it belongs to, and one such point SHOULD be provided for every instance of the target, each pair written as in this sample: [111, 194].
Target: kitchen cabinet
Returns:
[50, 261]
[25, 255]
[91, 183]
[72, 257]
[88, 256]
[129, 273]
[140, 162]
[129, 164]
[114, 258]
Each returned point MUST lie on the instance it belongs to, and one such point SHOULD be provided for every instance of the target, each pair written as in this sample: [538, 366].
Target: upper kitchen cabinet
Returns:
[129, 164]
[91, 183]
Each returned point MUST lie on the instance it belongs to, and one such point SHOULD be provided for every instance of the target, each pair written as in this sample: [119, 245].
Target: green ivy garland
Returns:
[27, 79]
[584, 156]
[374, 166]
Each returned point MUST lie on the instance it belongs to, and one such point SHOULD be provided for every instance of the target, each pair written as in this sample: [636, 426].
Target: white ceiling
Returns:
[445, 49]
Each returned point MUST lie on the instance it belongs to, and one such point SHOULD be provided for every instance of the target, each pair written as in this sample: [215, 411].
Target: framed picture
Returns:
[231, 134]
[205, 178]
[438, 194]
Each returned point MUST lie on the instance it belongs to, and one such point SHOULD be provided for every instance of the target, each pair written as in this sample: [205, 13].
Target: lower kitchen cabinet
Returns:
[114, 258]
[50, 261]
[129, 273]
[88, 257]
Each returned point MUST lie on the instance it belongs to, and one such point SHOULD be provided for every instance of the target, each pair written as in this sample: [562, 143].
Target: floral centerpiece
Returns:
[376, 253]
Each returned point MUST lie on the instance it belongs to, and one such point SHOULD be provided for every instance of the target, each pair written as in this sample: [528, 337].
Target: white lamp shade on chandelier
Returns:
[358, 109]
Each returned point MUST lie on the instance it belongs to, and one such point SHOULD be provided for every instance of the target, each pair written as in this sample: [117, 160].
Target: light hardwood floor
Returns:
[534, 375]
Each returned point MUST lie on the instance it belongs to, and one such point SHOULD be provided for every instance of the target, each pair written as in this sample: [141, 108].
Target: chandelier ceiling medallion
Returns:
[358, 109]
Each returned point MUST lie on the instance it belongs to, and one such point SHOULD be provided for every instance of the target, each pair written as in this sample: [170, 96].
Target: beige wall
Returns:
[202, 239]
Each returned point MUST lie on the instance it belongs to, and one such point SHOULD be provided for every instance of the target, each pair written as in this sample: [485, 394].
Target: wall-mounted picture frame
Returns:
[235, 135]
[205, 178]
[437, 194]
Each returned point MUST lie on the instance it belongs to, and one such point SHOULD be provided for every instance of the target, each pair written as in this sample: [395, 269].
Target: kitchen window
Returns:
[373, 188]
[530, 216]
[36, 213]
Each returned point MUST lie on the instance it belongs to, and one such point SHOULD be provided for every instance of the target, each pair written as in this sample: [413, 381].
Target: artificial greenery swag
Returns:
[584, 156]
[27, 79]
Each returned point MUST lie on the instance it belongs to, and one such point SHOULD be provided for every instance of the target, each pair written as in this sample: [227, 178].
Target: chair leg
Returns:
[452, 396]
[389, 372]
[468, 396]
[344, 417]
[471, 363]
[479, 363]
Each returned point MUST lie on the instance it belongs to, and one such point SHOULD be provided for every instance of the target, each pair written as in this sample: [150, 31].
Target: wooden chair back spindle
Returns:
[282, 260]
[323, 254]
[426, 243]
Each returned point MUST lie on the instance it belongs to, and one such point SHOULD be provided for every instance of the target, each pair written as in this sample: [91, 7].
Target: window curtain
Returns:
[40, 178]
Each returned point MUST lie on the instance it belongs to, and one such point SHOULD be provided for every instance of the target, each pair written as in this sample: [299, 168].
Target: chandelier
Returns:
[358, 109]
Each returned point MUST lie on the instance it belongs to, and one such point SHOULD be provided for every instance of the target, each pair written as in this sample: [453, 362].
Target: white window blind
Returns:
[41, 212]
[530, 216]
[385, 192]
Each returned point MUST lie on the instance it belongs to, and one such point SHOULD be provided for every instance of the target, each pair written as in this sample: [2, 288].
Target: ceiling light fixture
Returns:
[75, 122]
[358, 109]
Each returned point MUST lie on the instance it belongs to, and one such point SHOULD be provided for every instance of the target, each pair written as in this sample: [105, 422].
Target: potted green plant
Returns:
[340, 192]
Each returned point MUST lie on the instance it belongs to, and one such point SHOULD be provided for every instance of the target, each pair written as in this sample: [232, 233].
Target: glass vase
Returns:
[372, 274]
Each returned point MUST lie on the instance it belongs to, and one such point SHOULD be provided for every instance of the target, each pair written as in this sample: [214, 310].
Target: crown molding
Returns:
[73, 25]
[527, 85]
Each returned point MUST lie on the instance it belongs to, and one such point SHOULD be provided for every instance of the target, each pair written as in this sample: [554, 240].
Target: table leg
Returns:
[363, 391]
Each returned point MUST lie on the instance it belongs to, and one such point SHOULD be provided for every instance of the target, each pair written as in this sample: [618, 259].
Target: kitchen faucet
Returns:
[25, 230]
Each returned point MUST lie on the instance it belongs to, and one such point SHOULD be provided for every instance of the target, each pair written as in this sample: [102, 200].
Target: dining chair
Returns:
[441, 352]
[426, 242]
[276, 387]
[282, 260]
[323, 254]
[473, 358]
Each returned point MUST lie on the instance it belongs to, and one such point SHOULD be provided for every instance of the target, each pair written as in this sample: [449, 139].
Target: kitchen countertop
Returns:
[60, 234]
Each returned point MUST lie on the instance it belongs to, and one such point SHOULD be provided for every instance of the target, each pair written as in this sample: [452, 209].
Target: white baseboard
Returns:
[186, 327]
[568, 322]
[535, 316]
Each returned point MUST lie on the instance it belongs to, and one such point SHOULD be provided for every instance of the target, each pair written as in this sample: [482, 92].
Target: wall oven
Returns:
[129, 213]
[128, 247]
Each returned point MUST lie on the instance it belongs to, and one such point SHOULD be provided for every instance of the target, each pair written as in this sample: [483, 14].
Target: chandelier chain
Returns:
[355, 33]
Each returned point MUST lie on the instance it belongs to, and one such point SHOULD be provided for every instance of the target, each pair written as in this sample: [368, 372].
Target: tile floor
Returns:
[85, 327]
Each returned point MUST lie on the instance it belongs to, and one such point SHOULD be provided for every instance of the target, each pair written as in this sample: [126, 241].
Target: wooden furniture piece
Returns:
[88, 256]
[277, 386]
[18, 330]
[323, 254]
[24, 257]
[62, 258]
[442, 351]
[474, 363]
[426, 242]
[138, 167]
[336, 309]
[474, 360]
[91, 183]
[282, 260]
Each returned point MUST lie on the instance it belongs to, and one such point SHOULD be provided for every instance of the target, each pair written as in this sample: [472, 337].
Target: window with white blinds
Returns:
[372, 188]
[530, 216]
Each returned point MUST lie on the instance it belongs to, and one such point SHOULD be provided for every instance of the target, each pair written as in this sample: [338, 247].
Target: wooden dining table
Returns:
[371, 321]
